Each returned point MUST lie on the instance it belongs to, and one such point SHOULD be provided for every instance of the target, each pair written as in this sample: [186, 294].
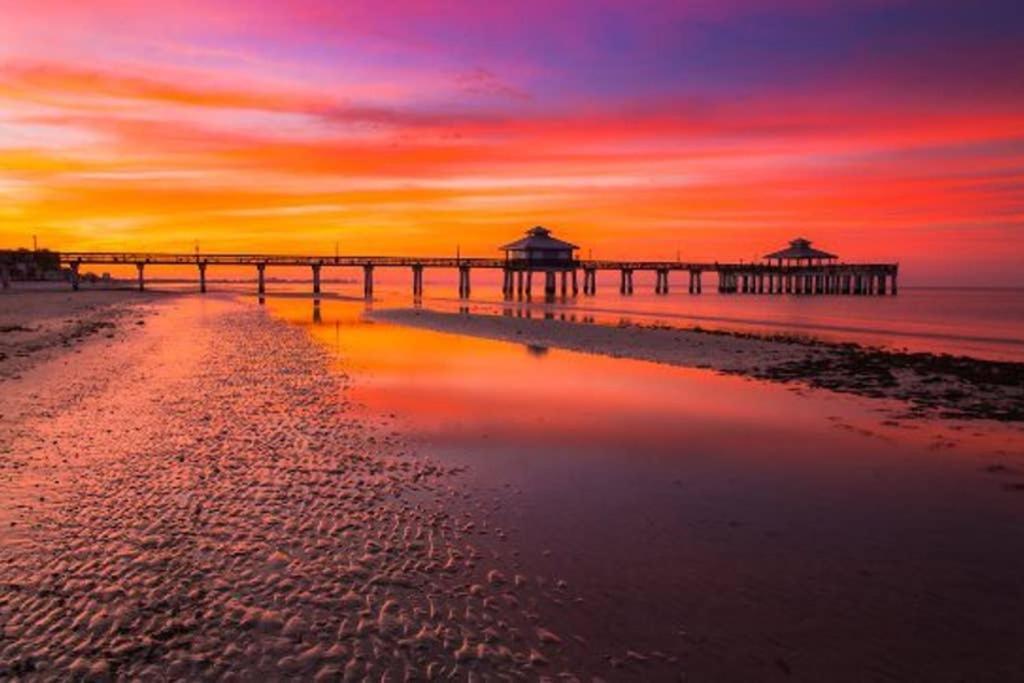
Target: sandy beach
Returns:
[40, 323]
[202, 504]
[927, 384]
[192, 493]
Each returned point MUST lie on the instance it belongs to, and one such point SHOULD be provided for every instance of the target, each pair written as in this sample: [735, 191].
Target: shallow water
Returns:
[752, 530]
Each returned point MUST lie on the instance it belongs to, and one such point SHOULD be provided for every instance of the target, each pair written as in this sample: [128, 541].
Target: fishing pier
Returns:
[796, 270]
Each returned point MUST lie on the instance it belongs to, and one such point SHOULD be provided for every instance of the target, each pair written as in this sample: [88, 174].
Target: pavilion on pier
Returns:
[800, 252]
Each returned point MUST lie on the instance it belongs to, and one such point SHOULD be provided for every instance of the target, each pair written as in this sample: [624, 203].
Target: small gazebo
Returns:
[540, 251]
[800, 252]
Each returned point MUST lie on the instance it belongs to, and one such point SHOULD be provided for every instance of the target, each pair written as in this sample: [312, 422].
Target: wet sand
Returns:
[213, 510]
[43, 322]
[927, 384]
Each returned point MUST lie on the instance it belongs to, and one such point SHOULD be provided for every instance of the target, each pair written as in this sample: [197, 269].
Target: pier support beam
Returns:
[575, 284]
[368, 281]
[589, 281]
[893, 284]
[695, 284]
[316, 277]
[529, 284]
[463, 282]
[142, 279]
[549, 283]
[417, 280]
[202, 278]
[75, 278]
[261, 286]
[661, 281]
[519, 284]
[565, 283]
[626, 281]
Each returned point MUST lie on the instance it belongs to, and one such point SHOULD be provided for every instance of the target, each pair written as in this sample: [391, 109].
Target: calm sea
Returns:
[987, 323]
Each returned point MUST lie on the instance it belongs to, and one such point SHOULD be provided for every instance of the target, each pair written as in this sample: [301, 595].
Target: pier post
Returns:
[529, 284]
[367, 281]
[881, 284]
[463, 282]
[549, 283]
[575, 284]
[565, 282]
[261, 287]
[893, 283]
[74, 275]
[417, 280]
[519, 284]
[142, 280]
[625, 281]
[202, 277]
[506, 283]
[316, 278]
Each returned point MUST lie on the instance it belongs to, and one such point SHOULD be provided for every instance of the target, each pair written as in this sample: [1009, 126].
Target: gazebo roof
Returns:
[800, 248]
[539, 239]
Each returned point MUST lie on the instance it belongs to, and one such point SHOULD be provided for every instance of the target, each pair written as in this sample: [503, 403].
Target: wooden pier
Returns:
[519, 274]
[796, 270]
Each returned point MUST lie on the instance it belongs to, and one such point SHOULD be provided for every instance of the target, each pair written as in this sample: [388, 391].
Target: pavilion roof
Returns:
[539, 239]
[800, 248]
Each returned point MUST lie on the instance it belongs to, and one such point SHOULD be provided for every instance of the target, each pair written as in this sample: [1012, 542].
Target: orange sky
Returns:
[883, 131]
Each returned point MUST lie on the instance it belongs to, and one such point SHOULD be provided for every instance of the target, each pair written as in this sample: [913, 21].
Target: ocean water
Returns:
[985, 323]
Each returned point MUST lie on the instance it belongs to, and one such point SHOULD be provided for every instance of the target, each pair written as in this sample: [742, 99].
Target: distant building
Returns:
[540, 251]
[800, 251]
[25, 264]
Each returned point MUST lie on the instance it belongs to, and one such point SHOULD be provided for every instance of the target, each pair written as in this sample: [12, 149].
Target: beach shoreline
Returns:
[40, 324]
[927, 385]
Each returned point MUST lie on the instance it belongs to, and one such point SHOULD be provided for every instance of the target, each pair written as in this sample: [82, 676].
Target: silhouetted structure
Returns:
[799, 269]
[29, 264]
[541, 252]
[801, 251]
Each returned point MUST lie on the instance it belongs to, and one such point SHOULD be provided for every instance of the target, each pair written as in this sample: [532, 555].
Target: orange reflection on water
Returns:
[458, 387]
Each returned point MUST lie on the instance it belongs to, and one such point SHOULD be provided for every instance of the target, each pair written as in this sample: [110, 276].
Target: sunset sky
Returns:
[715, 129]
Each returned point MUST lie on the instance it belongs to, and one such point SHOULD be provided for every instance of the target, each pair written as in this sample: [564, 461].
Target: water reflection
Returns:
[658, 491]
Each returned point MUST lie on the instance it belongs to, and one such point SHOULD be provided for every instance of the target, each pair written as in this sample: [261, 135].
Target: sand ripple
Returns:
[226, 517]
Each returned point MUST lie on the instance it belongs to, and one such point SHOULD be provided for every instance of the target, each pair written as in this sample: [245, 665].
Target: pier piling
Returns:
[202, 277]
[140, 266]
[367, 281]
[417, 280]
